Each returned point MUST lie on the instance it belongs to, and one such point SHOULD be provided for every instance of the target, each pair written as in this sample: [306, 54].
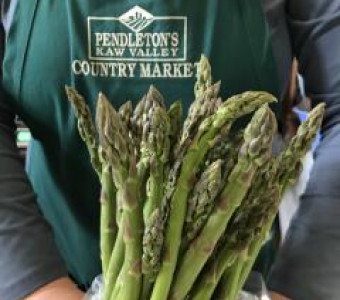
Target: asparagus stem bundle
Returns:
[289, 167]
[246, 225]
[185, 209]
[232, 248]
[254, 152]
[203, 141]
[89, 135]
[125, 173]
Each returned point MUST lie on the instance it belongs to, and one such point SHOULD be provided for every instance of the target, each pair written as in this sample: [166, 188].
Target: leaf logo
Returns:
[136, 19]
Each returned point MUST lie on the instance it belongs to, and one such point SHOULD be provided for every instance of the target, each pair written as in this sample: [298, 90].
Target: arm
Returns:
[308, 267]
[29, 262]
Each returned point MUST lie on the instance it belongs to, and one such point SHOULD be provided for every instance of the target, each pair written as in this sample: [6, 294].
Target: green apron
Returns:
[119, 47]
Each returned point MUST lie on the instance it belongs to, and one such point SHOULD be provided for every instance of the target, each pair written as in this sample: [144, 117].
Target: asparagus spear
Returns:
[204, 77]
[204, 140]
[289, 164]
[153, 240]
[247, 220]
[222, 289]
[206, 103]
[254, 152]
[159, 146]
[126, 112]
[108, 227]
[141, 127]
[141, 114]
[291, 158]
[195, 117]
[210, 277]
[139, 124]
[146, 134]
[201, 108]
[117, 258]
[231, 248]
[108, 208]
[242, 229]
[86, 127]
[107, 199]
[227, 149]
[123, 159]
[201, 202]
[115, 266]
[175, 113]
[155, 94]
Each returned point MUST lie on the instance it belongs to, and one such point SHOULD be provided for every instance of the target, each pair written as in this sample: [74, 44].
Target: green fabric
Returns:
[51, 40]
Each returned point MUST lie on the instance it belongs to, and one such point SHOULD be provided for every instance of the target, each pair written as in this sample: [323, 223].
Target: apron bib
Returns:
[119, 47]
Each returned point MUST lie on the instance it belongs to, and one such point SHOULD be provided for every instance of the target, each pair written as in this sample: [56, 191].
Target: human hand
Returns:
[62, 288]
[276, 296]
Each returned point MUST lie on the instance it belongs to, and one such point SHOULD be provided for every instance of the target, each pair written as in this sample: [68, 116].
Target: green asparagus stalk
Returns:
[235, 107]
[248, 218]
[255, 151]
[153, 240]
[90, 136]
[123, 160]
[86, 127]
[108, 207]
[291, 158]
[247, 224]
[120, 281]
[190, 128]
[108, 225]
[232, 248]
[211, 275]
[137, 123]
[175, 114]
[221, 290]
[141, 114]
[206, 103]
[141, 127]
[115, 266]
[289, 163]
[159, 147]
[126, 112]
[151, 128]
[200, 109]
[204, 77]
[158, 144]
[226, 149]
[201, 202]
[195, 117]
[156, 96]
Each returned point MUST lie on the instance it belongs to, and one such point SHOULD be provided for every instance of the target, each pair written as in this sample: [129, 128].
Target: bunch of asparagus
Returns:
[185, 209]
